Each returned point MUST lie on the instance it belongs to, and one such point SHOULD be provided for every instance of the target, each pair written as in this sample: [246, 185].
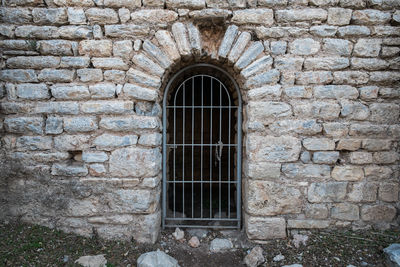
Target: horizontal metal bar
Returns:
[200, 182]
[203, 219]
[202, 226]
[232, 145]
[232, 107]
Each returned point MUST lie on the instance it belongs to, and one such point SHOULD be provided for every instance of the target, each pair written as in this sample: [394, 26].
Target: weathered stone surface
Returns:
[239, 46]
[339, 16]
[292, 15]
[54, 125]
[378, 172]
[306, 127]
[274, 149]
[15, 15]
[347, 173]
[307, 224]
[227, 41]
[109, 141]
[61, 169]
[262, 228]
[86, 261]
[305, 46]
[335, 129]
[322, 157]
[345, 211]
[102, 16]
[34, 142]
[353, 30]
[76, 32]
[353, 3]
[363, 192]
[50, 16]
[326, 63]
[367, 47]
[354, 110]
[298, 170]
[80, 124]
[139, 92]
[122, 3]
[153, 16]
[263, 170]
[337, 47]
[70, 91]
[32, 91]
[268, 77]
[157, 54]
[90, 75]
[327, 192]
[288, 63]
[378, 213]
[316, 211]
[264, 92]
[389, 192]
[135, 162]
[142, 78]
[348, 144]
[369, 63]
[279, 32]
[376, 144]
[107, 107]
[220, 245]
[94, 156]
[56, 47]
[210, 13]
[52, 75]
[253, 16]
[156, 258]
[278, 47]
[267, 112]
[24, 125]
[360, 157]
[36, 62]
[298, 92]
[125, 30]
[314, 77]
[190, 4]
[103, 90]
[147, 64]
[386, 157]
[317, 109]
[74, 62]
[392, 254]
[76, 15]
[335, 91]
[370, 17]
[324, 30]
[95, 48]
[319, 144]
[151, 139]
[109, 63]
[384, 113]
[133, 122]
[115, 76]
[71, 142]
[249, 55]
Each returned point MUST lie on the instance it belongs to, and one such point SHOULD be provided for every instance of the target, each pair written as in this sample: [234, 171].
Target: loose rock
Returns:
[92, 261]
[156, 258]
[219, 244]
[194, 242]
[255, 257]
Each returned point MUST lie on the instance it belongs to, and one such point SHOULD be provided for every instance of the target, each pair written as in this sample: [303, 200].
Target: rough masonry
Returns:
[81, 90]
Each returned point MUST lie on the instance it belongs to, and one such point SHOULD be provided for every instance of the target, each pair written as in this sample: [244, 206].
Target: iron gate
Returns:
[201, 150]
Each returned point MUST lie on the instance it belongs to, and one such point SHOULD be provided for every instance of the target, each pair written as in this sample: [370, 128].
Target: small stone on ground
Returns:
[279, 257]
[178, 234]
[156, 258]
[255, 257]
[200, 233]
[299, 239]
[219, 244]
[392, 254]
[92, 261]
[293, 265]
[194, 242]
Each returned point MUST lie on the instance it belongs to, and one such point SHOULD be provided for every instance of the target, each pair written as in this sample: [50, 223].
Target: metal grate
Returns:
[201, 151]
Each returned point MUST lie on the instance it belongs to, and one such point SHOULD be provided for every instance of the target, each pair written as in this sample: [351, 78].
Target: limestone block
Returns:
[263, 170]
[24, 125]
[109, 63]
[76, 15]
[368, 92]
[369, 63]
[80, 124]
[384, 76]
[70, 91]
[314, 77]
[133, 122]
[135, 162]
[54, 125]
[298, 170]
[360, 157]
[273, 149]
[126, 31]
[317, 109]
[107, 107]
[353, 3]
[298, 92]
[249, 55]
[153, 16]
[386, 157]
[339, 16]
[157, 54]
[308, 224]
[32, 91]
[354, 110]
[318, 144]
[95, 48]
[389, 51]
[41, 32]
[76, 32]
[363, 192]
[326, 63]
[385, 113]
[337, 47]
[97, 169]
[109, 141]
[150, 139]
[376, 144]
[367, 47]
[263, 228]
[370, 17]
[347, 173]
[50, 16]
[327, 192]
[322, 157]
[278, 47]
[139, 92]
[82, 3]
[350, 77]
[142, 78]
[335, 129]
[190, 4]
[124, 15]
[61, 169]
[335, 91]
[378, 172]
[324, 30]
[71, 142]
[316, 211]
[58, 107]
[91, 157]
[353, 30]
[56, 47]
[378, 213]
[123, 49]
[266, 112]
[389, 192]
[367, 130]
[239, 46]
[268, 77]
[262, 16]
[288, 63]
[115, 76]
[345, 211]
[210, 13]
[272, 3]
[153, 3]
[35, 62]
[34, 142]
[103, 90]
[147, 64]
[102, 16]
[15, 15]
[304, 47]
[90, 75]
[123, 3]
[307, 14]
[265, 92]
[304, 127]
[348, 144]
[74, 62]
[56, 76]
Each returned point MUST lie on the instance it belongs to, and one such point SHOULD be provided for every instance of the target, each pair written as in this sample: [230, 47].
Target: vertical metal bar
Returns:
[192, 144]
[201, 150]
[220, 150]
[183, 150]
[164, 169]
[239, 159]
[229, 161]
[174, 147]
[211, 122]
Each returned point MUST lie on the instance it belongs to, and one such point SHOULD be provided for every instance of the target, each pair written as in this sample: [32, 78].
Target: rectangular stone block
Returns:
[298, 170]
[360, 157]
[20, 75]
[107, 107]
[80, 124]
[336, 129]
[34, 142]
[56, 76]
[102, 16]
[110, 142]
[376, 144]
[139, 92]
[327, 192]
[308, 224]
[74, 62]
[314, 77]
[126, 31]
[62, 169]
[378, 213]
[24, 124]
[316, 211]
[70, 91]
[54, 125]
[389, 192]
[386, 157]
[308, 14]
[133, 122]
[34, 62]
[322, 157]
[336, 92]
[261, 16]
[263, 228]
[304, 127]
[109, 63]
[347, 173]
[326, 63]
[99, 156]
[71, 142]
[95, 48]
[32, 91]
[362, 192]
[267, 111]
[375, 172]
[263, 170]
[319, 144]
[103, 90]
[50, 16]
[56, 107]
[345, 211]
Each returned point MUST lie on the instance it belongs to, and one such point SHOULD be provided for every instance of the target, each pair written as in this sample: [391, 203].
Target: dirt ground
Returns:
[29, 245]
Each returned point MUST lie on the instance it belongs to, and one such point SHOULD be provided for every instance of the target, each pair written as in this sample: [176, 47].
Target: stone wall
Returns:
[81, 90]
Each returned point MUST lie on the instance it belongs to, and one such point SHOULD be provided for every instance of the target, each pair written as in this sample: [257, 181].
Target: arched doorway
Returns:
[202, 114]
